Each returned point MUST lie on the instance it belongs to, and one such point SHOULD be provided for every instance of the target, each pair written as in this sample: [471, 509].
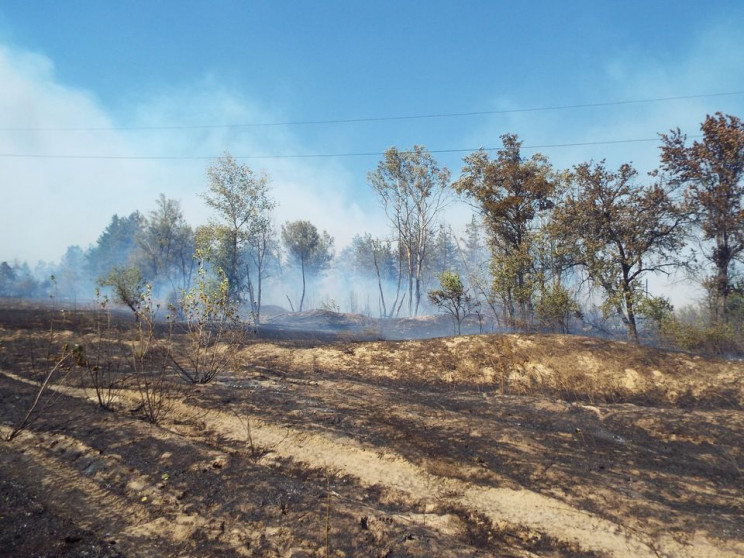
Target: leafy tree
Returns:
[555, 306]
[510, 192]
[308, 248]
[166, 244]
[658, 310]
[243, 206]
[453, 298]
[127, 286]
[212, 328]
[70, 273]
[621, 232]
[713, 172]
[7, 279]
[116, 246]
[412, 190]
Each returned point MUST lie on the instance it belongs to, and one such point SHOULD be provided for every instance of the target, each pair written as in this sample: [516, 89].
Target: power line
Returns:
[368, 119]
[307, 155]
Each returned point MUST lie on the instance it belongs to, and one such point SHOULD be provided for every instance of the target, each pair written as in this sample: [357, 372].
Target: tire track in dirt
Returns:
[92, 507]
[391, 470]
[387, 468]
[105, 494]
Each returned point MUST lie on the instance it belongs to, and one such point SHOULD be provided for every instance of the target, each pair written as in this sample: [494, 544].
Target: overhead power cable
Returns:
[307, 155]
[366, 119]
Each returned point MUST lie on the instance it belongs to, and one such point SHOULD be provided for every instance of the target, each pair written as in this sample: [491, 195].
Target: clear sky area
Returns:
[104, 105]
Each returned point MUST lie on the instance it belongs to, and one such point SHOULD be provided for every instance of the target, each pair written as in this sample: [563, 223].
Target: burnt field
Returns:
[343, 444]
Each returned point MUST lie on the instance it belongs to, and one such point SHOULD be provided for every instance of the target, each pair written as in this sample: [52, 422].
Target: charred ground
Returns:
[517, 445]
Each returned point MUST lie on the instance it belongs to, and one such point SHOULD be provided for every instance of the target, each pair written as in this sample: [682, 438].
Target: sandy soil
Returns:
[472, 446]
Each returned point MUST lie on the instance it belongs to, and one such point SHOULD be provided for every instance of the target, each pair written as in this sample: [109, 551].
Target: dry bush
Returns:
[53, 363]
[151, 362]
[62, 365]
[214, 334]
[707, 339]
[102, 364]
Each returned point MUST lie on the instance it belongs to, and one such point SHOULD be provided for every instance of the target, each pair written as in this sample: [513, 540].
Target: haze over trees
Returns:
[548, 249]
[307, 248]
[367, 256]
[117, 245]
[167, 245]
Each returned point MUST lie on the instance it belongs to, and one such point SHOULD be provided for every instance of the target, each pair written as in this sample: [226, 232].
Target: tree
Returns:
[262, 251]
[127, 285]
[243, 205]
[70, 272]
[621, 231]
[657, 310]
[17, 280]
[212, 328]
[713, 172]
[453, 298]
[308, 248]
[116, 245]
[554, 307]
[166, 244]
[510, 192]
[475, 259]
[412, 190]
[367, 256]
[472, 250]
[7, 280]
[443, 251]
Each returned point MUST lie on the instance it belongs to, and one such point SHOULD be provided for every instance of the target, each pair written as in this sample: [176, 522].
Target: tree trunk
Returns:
[722, 260]
[379, 283]
[410, 286]
[302, 266]
[258, 298]
[418, 296]
[630, 319]
[233, 280]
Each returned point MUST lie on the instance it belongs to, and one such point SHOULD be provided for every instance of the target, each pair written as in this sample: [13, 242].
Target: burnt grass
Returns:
[73, 483]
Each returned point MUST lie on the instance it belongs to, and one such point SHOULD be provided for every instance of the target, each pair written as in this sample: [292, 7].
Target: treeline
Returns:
[550, 249]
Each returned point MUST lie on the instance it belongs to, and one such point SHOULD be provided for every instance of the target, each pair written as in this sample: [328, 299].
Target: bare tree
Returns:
[368, 256]
[412, 190]
[262, 248]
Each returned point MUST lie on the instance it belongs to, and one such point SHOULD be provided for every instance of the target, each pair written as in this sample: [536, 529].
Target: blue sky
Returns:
[161, 64]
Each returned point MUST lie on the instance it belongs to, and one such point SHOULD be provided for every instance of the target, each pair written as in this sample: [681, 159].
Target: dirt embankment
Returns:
[567, 367]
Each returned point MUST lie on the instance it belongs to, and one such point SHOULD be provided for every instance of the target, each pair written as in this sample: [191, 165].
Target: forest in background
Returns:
[565, 250]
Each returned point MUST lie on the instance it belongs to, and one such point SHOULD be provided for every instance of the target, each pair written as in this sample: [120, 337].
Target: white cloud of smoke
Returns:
[51, 203]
